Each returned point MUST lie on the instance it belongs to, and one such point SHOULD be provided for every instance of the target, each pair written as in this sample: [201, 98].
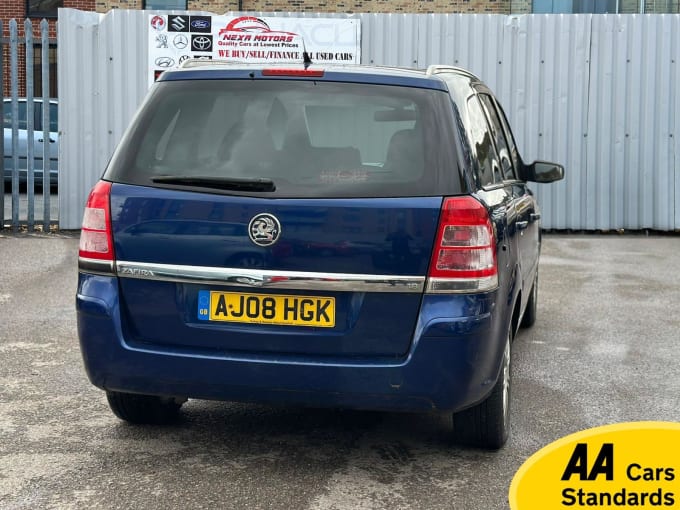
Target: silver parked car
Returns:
[38, 140]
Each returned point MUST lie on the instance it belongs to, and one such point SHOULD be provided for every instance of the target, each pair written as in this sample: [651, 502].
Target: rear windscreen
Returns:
[310, 138]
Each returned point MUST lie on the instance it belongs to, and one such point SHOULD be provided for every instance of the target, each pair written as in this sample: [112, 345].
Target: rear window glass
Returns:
[312, 139]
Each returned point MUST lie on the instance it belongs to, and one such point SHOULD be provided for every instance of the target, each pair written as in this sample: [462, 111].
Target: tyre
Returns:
[487, 425]
[529, 317]
[143, 409]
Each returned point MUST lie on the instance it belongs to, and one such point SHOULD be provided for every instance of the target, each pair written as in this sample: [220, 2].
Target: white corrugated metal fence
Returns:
[597, 93]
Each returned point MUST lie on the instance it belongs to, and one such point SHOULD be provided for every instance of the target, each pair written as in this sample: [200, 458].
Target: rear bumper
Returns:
[453, 362]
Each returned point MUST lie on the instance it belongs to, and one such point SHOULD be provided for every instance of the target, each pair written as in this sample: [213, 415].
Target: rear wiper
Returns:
[227, 183]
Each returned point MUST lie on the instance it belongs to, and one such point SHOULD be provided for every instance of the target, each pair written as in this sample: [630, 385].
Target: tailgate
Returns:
[344, 277]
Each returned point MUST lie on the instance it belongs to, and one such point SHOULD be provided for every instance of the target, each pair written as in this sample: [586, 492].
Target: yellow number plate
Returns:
[272, 309]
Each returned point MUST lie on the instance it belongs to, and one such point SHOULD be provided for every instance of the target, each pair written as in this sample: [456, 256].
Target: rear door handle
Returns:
[521, 225]
[534, 217]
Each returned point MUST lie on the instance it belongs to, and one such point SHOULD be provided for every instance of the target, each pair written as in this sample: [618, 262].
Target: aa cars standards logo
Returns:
[628, 465]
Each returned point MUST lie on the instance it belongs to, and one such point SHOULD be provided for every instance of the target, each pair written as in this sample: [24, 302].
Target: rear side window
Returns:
[499, 137]
[313, 139]
[482, 144]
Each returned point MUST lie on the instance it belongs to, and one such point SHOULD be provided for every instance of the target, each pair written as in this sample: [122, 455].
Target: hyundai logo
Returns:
[202, 43]
[180, 41]
[165, 62]
[264, 229]
[199, 23]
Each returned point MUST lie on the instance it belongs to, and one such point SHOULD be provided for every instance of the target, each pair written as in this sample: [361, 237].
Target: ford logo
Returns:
[199, 23]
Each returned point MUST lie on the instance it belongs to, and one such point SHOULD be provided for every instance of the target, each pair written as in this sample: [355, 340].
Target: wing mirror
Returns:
[543, 171]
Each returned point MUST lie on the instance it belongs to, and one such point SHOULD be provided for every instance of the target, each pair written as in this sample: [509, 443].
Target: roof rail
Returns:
[443, 68]
[202, 62]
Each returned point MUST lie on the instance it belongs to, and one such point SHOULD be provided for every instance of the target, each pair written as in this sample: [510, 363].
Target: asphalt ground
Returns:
[38, 207]
[604, 350]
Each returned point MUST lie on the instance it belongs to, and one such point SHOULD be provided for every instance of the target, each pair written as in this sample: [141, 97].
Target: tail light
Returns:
[96, 240]
[464, 256]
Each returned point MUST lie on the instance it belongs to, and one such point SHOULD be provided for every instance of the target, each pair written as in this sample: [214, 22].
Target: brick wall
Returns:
[352, 6]
[107, 5]
[16, 9]
[349, 6]
[662, 6]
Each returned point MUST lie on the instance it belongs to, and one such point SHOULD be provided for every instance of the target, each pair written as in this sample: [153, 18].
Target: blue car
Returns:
[392, 245]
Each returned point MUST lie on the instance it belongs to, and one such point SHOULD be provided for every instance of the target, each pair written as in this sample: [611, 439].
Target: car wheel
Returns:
[529, 317]
[143, 409]
[487, 425]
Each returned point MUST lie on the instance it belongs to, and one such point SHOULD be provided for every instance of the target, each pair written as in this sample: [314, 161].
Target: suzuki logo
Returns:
[179, 23]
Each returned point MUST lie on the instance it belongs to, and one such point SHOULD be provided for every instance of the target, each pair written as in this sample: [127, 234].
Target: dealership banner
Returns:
[175, 38]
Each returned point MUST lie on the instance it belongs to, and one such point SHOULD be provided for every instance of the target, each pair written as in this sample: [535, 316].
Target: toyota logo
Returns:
[180, 41]
[264, 229]
[202, 43]
[164, 62]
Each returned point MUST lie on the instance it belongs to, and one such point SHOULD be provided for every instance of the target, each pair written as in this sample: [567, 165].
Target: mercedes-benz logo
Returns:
[180, 41]
[165, 62]
[202, 43]
[264, 229]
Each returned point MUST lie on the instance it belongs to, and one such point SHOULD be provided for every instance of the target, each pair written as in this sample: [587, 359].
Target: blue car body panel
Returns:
[399, 350]
[452, 361]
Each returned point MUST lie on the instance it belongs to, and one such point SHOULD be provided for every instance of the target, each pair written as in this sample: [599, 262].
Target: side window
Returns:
[514, 153]
[482, 145]
[21, 118]
[499, 137]
[54, 118]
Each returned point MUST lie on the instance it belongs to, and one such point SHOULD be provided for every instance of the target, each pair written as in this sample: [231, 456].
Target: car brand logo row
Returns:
[183, 23]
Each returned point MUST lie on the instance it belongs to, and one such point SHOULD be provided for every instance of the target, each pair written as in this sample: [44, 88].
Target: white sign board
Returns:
[174, 38]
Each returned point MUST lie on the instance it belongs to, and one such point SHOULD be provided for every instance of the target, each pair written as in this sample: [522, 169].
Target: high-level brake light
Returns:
[309, 73]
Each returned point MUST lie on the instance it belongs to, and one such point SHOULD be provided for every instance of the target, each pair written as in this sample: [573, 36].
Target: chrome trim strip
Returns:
[257, 278]
[95, 266]
[461, 285]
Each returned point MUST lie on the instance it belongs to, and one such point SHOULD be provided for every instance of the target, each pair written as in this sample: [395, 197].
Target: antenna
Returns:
[306, 57]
